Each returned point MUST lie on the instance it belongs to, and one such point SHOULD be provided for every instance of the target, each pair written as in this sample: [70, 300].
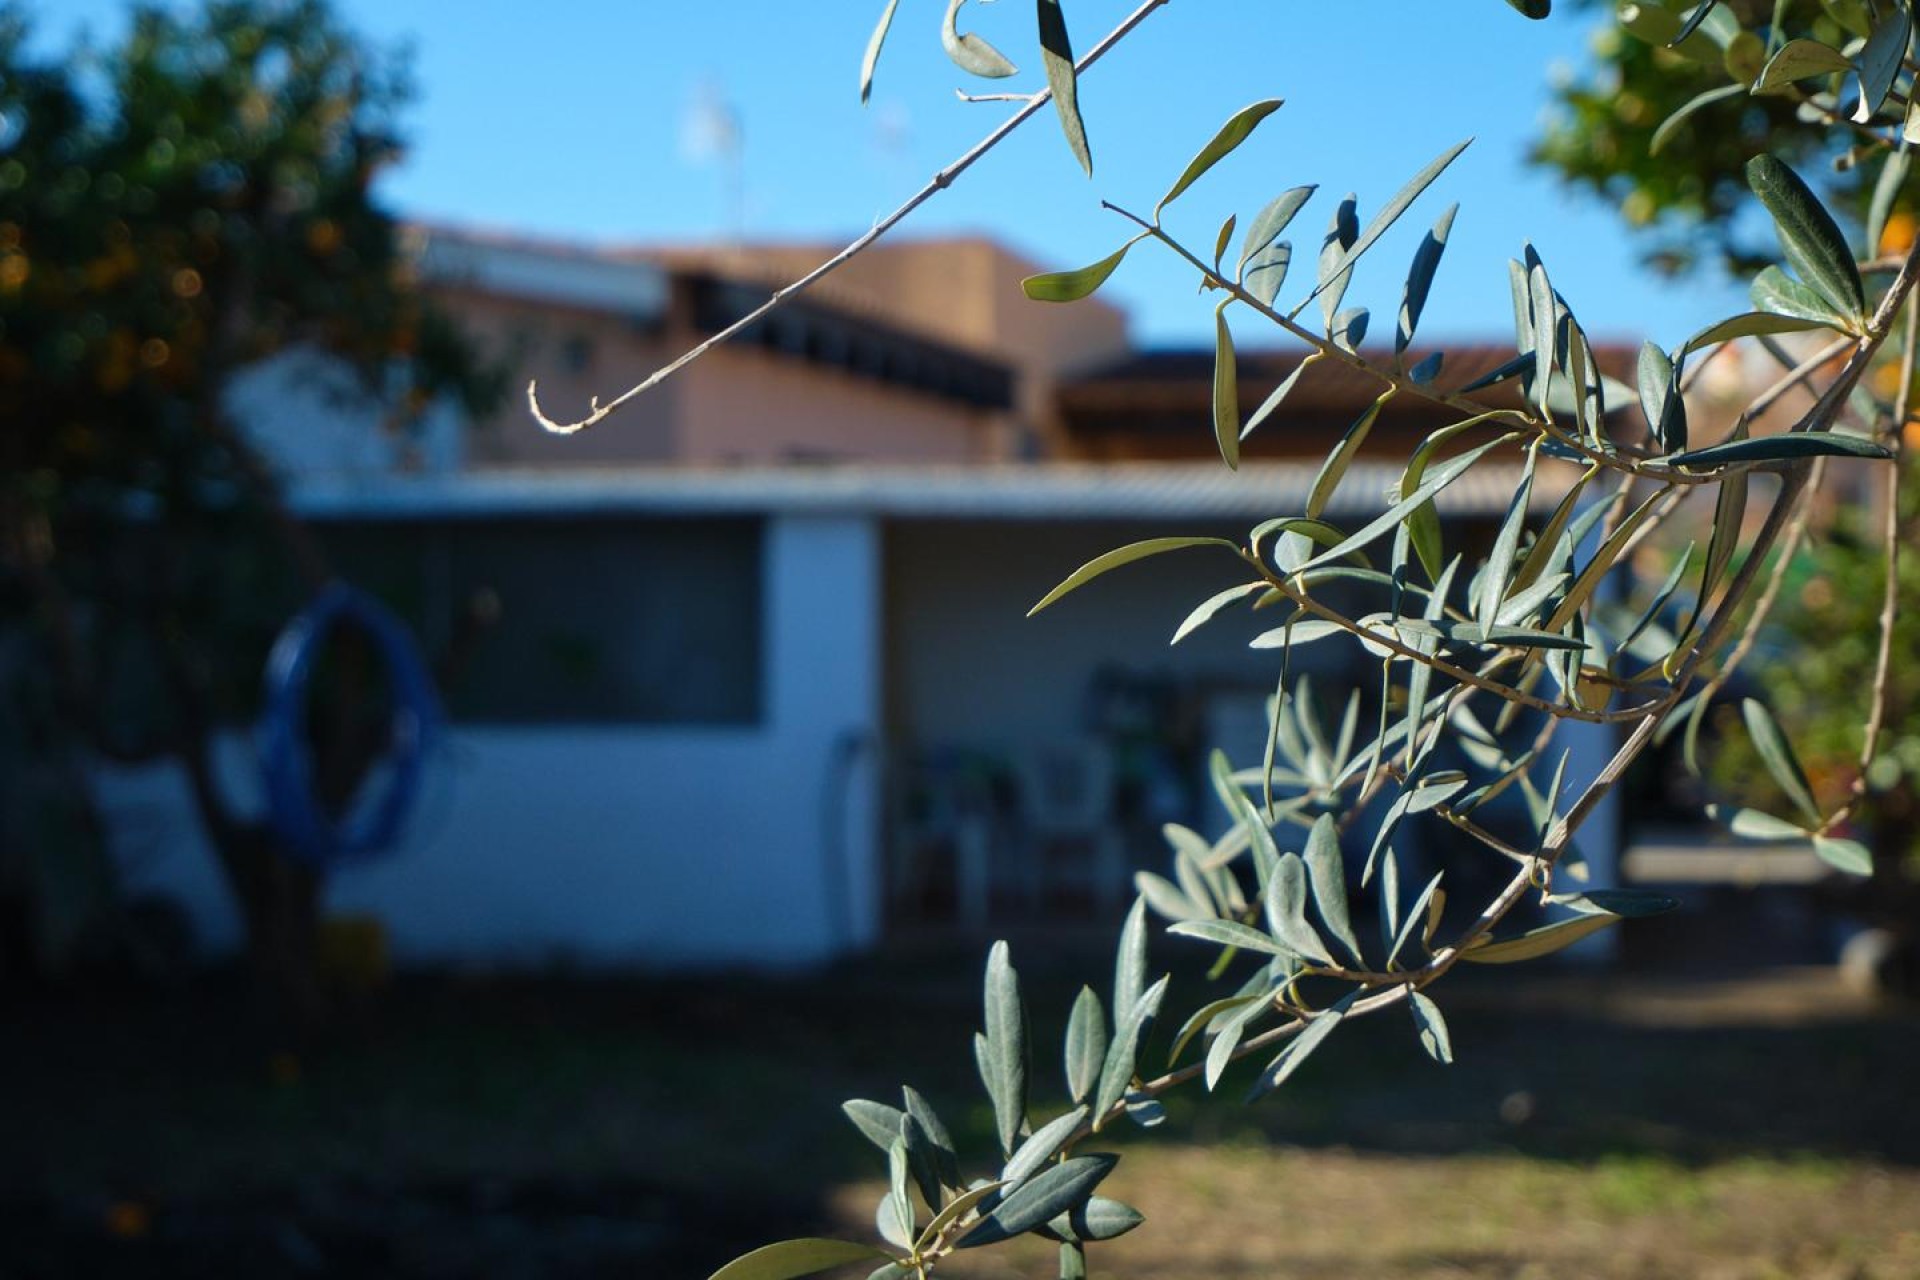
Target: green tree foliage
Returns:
[1682, 194]
[1686, 197]
[173, 209]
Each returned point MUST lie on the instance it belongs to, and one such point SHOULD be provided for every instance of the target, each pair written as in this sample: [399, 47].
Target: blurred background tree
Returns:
[1682, 193]
[172, 210]
[1682, 198]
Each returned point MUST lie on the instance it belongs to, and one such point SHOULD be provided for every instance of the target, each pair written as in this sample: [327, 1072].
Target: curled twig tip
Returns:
[560, 428]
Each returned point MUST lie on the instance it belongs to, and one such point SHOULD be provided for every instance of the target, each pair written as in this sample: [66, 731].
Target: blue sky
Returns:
[578, 119]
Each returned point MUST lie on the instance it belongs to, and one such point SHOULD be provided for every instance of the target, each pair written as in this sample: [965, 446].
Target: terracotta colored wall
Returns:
[543, 342]
[748, 405]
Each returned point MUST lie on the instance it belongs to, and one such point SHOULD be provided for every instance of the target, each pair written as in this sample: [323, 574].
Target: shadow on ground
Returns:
[579, 1128]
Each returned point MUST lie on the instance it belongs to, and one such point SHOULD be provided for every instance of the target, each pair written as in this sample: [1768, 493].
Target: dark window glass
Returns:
[600, 621]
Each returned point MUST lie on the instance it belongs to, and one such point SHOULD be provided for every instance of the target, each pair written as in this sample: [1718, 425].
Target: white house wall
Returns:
[967, 667]
[697, 847]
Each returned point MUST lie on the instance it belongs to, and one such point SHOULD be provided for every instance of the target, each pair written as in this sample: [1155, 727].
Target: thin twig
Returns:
[1401, 381]
[1890, 584]
[939, 182]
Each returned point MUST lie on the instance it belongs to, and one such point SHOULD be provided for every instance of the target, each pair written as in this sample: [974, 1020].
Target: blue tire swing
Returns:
[373, 826]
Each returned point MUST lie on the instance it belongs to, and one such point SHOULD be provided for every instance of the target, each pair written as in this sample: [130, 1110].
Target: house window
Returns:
[607, 621]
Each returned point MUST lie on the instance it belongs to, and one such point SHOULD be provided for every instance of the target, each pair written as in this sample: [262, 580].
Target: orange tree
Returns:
[173, 209]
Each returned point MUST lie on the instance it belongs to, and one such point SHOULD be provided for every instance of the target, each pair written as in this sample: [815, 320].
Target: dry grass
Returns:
[1244, 1212]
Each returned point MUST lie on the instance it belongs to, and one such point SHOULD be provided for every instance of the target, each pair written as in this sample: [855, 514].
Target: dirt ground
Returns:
[1595, 1124]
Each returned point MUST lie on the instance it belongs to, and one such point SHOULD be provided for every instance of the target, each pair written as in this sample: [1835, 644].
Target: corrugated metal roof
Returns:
[1035, 491]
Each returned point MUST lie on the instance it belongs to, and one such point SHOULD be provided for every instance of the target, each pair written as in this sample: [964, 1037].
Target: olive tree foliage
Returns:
[1483, 662]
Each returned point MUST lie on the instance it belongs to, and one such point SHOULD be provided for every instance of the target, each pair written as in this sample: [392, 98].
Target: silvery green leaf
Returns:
[1124, 555]
[1205, 1016]
[1442, 476]
[1538, 942]
[1391, 211]
[1043, 1146]
[1267, 272]
[1098, 1219]
[1628, 904]
[1413, 299]
[1510, 369]
[1145, 1111]
[1523, 333]
[1422, 524]
[1327, 868]
[1350, 329]
[1595, 571]
[1166, 899]
[1427, 372]
[927, 1132]
[1220, 240]
[1006, 1045]
[1427, 1019]
[1234, 132]
[1523, 607]
[1753, 824]
[1231, 933]
[1880, 61]
[1748, 325]
[1389, 898]
[1849, 856]
[1729, 517]
[1434, 790]
[1777, 293]
[1056, 52]
[1546, 321]
[1777, 754]
[1298, 632]
[1071, 286]
[1047, 1194]
[791, 1259]
[1506, 545]
[895, 1214]
[1086, 1048]
[877, 39]
[1342, 230]
[1800, 60]
[969, 52]
[1226, 389]
[1660, 598]
[1073, 1261]
[1783, 448]
[1660, 399]
[956, 1209]
[1812, 241]
[1271, 221]
[1340, 458]
[1297, 1049]
[877, 1122]
[1130, 963]
[1116, 1074]
[1227, 1040]
[1413, 919]
[1286, 909]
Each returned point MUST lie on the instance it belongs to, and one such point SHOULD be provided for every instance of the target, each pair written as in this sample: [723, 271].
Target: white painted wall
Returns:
[312, 416]
[608, 845]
